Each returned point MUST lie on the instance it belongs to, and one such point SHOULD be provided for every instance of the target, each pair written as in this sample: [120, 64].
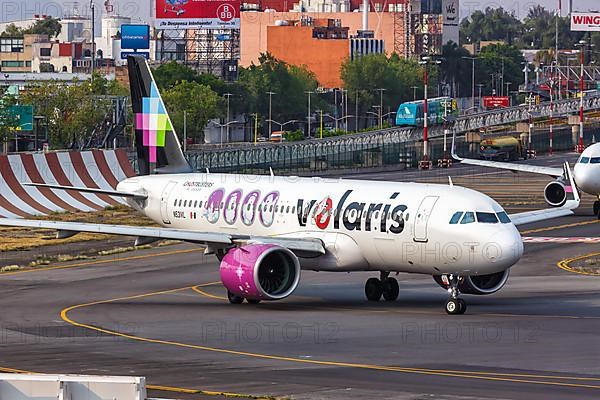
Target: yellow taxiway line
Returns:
[564, 264]
[551, 380]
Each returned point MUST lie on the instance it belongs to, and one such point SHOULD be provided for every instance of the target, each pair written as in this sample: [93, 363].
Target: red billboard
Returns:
[197, 14]
[495, 101]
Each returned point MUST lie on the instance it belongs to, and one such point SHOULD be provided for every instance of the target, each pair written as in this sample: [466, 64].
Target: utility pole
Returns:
[425, 163]
[270, 111]
[336, 108]
[308, 92]
[255, 128]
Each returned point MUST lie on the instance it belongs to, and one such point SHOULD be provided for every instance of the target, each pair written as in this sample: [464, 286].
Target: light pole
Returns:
[381, 90]
[582, 43]
[308, 92]
[227, 95]
[551, 113]
[425, 163]
[414, 88]
[507, 84]
[356, 113]
[480, 87]
[378, 115]
[93, 37]
[472, 79]
[270, 110]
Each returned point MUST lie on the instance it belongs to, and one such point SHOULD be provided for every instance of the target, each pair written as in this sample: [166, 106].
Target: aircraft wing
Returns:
[139, 196]
[146, 234]
[534, 169]
[571, 203]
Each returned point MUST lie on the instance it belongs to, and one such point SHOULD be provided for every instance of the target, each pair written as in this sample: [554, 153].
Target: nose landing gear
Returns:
[386, 286]
[597, 208]
[455, 305]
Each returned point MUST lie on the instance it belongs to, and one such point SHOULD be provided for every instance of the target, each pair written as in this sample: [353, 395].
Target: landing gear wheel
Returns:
[463, 306]
[234, 298]
[453, 307]
[253, 301]
[391, 290]
[373, 289]
[597, 208]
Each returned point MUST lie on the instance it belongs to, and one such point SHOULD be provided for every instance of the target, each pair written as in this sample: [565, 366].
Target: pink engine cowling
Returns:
[260, 271]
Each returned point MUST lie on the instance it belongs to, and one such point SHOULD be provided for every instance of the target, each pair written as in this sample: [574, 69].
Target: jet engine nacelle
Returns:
[260, 271]
[555, 193]
[478, 284]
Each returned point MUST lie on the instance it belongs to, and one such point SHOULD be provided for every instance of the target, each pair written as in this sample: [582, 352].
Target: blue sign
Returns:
[145, 54]
[135, 37]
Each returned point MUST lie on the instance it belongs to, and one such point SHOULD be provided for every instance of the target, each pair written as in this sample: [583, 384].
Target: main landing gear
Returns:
[386, 286]
[597, 208]
[455, 305]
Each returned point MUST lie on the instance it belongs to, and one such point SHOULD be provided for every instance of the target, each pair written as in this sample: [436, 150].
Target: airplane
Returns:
[586, 174]
[266, 229]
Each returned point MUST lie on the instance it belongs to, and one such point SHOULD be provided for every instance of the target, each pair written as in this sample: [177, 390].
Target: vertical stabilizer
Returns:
[156, 143]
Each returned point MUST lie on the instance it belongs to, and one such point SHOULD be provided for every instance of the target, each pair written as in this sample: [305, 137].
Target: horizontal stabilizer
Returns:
[90, 190]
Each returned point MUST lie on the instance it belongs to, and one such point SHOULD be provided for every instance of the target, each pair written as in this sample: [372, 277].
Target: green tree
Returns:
[289, 82]
[502, 61]
[47, 26]
[12, 31]
[8, 119]
[170, 74]
[367, 74]
[490, 24]
[453, 67]
[199, 101]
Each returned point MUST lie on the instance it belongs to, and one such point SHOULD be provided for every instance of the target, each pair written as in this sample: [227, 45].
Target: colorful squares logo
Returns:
[154, 122]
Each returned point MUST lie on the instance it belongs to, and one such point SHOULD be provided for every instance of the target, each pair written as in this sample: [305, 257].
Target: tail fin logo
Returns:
[154, 122]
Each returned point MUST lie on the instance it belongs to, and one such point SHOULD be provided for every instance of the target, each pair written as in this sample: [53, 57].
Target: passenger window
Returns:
[185, 203]
[487, 218]
[175, 203]
[468, 218]
[456, 217]
[195, 203]
[200, 203]
[584, 160]
[288, 209]
[293, 209]
[503, 217]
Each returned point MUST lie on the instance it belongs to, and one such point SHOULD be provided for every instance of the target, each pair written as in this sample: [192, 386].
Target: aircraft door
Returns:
[422, 218]
[164, 201]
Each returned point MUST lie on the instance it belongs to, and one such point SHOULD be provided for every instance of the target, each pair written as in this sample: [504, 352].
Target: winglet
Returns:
[453, 148]
[573, 198]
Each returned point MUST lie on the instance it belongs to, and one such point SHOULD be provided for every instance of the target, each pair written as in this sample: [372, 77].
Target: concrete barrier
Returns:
[71, 387]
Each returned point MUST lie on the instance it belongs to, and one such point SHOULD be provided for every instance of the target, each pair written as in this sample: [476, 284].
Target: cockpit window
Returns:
[456, 217]
[584, 160]
[487, 218]
[595, 160]
[468, 218]
[503, 217]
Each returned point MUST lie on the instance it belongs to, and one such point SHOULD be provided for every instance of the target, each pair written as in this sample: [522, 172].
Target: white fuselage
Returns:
[364, 225]
[587, 170]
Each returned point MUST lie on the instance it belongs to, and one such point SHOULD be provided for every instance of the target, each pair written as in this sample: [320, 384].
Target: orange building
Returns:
[322, 49]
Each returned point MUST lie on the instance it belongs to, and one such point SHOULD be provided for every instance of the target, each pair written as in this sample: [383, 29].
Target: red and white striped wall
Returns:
[99, 169]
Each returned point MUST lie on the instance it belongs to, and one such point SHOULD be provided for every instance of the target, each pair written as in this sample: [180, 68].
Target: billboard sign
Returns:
[125, 54]
[135, 37]
[197, 14]
[586, 22]
[450, 12]
[495, 101]
[24, 116]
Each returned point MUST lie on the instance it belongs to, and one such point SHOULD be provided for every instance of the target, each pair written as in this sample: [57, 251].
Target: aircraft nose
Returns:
[504, 248]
